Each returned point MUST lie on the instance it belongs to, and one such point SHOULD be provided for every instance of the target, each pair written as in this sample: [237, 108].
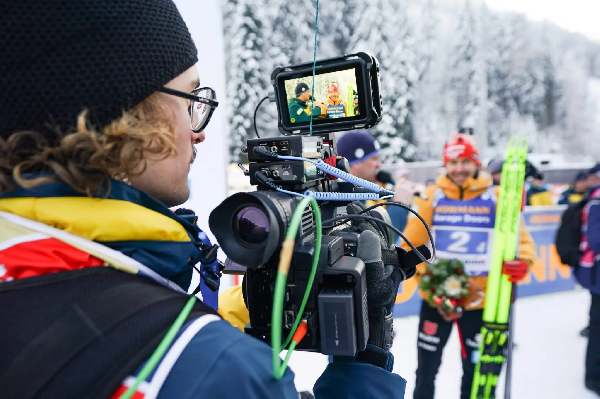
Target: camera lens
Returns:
[251, 225]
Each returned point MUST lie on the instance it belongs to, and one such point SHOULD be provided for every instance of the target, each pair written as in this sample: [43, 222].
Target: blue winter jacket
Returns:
[399, 218]
[588, 272]
[217, 360]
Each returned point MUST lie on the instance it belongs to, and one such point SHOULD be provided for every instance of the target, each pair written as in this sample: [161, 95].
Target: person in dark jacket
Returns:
[576, 192]
[85, 190]
[537, 193]
[588, 275]
[300, 108]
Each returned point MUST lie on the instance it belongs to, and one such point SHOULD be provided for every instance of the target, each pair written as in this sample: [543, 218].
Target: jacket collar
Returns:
[475, 185]
[118, 191]
[127, 220]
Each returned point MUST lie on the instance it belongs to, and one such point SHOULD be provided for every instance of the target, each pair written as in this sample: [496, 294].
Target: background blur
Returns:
[502, 67]
[444, 64]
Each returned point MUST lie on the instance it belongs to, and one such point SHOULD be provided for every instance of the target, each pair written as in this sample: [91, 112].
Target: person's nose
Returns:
[198, 138]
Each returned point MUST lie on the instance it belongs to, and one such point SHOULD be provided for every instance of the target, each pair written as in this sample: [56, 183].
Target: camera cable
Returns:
[285, 258]
[255, 112]
[345, 218]
[379, 192]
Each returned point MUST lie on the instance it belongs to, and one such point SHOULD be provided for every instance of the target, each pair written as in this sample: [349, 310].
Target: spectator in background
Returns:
[429, 182]
[538, 193]
[495, 169]
[576, 192]
[361, 150]
[588, 275]
[592, 177]
[405, 191]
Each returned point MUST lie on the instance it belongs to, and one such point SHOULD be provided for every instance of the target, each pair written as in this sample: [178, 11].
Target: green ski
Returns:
[494, 333]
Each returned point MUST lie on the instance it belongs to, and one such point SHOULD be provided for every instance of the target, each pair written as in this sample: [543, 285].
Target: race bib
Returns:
[471, 246]
[464, 231]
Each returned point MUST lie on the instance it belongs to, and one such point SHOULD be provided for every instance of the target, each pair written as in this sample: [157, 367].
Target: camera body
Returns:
[250, 227]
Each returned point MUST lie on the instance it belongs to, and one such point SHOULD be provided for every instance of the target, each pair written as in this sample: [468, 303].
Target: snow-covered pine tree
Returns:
[293, 33]
[337, 22]
[552, 91]
[384, 31]
[468, 70]
[404, 70]
[499, 79]
[427, 37]
[246, 79]
[431, 54]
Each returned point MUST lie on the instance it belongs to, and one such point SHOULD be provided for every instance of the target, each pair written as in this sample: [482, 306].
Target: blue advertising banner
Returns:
[546, 275]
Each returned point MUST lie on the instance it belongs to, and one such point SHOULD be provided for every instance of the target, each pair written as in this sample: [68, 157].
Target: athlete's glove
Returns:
[516, 270]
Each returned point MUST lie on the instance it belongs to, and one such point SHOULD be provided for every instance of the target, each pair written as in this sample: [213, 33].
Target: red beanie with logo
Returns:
[461, 145]
[332, 88]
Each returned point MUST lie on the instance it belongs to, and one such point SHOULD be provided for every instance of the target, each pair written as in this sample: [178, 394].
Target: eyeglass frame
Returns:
[192, 97]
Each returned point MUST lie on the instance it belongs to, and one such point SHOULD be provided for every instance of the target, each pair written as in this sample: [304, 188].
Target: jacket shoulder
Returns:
[220, 354]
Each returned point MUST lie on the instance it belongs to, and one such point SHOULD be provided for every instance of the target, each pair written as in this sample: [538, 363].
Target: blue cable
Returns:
[340, 174]
[333, 196]
[289, 192]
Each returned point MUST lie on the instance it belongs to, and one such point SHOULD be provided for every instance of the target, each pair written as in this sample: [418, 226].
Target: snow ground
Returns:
[548, 362]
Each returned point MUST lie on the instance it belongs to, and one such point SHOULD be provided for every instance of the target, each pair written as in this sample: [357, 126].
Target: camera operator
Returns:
[299, 108]
[101, 107]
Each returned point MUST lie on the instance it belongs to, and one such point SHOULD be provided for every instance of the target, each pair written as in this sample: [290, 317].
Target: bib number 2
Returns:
[469, 246]
[460, 243]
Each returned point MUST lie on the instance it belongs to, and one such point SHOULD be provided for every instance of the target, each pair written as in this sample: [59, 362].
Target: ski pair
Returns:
[494, 333]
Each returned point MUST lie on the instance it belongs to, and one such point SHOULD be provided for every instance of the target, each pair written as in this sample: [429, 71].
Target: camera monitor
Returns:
[345, 95]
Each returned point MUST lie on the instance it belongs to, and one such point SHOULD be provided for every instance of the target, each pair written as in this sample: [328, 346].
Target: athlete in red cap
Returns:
[460, 207]
[336, 108]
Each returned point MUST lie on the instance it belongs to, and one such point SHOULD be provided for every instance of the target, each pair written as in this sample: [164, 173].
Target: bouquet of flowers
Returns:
[445, 285]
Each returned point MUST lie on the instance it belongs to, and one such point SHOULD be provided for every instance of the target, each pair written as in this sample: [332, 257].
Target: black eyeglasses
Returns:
[203, 104]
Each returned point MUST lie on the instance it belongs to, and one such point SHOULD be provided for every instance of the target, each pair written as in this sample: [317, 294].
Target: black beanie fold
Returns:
[60, 57]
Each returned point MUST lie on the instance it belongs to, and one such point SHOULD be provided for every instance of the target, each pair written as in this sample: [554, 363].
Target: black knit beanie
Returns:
[59, 57]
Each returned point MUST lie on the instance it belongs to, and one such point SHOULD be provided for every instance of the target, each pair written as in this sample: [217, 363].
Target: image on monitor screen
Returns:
[335, 96]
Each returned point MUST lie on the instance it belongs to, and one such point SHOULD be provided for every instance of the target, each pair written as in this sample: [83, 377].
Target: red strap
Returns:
[332, 161]
[463, 352]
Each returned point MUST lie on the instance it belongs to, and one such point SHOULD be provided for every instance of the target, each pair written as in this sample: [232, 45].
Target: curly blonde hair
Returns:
[87, 159]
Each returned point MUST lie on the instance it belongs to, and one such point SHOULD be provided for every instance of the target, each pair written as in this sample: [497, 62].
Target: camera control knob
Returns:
[275, 173]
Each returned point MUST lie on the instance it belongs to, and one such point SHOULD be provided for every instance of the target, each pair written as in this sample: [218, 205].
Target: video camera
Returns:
[250, 226]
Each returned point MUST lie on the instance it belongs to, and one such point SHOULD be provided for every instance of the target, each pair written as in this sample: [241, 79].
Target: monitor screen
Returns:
[335, 96]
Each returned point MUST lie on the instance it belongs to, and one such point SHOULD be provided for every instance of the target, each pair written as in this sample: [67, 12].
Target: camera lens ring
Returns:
[251, 225]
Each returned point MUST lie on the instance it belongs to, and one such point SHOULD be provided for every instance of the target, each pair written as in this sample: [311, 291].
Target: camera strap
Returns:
[210, 271]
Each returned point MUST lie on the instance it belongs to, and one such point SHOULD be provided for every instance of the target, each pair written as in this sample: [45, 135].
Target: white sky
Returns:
[582, 16]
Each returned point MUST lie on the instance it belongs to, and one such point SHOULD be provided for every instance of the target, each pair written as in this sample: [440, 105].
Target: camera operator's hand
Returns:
[386, 269]
[382, 287]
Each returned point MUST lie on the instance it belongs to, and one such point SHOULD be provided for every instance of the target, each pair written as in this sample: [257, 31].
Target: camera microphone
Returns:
[386, 177]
